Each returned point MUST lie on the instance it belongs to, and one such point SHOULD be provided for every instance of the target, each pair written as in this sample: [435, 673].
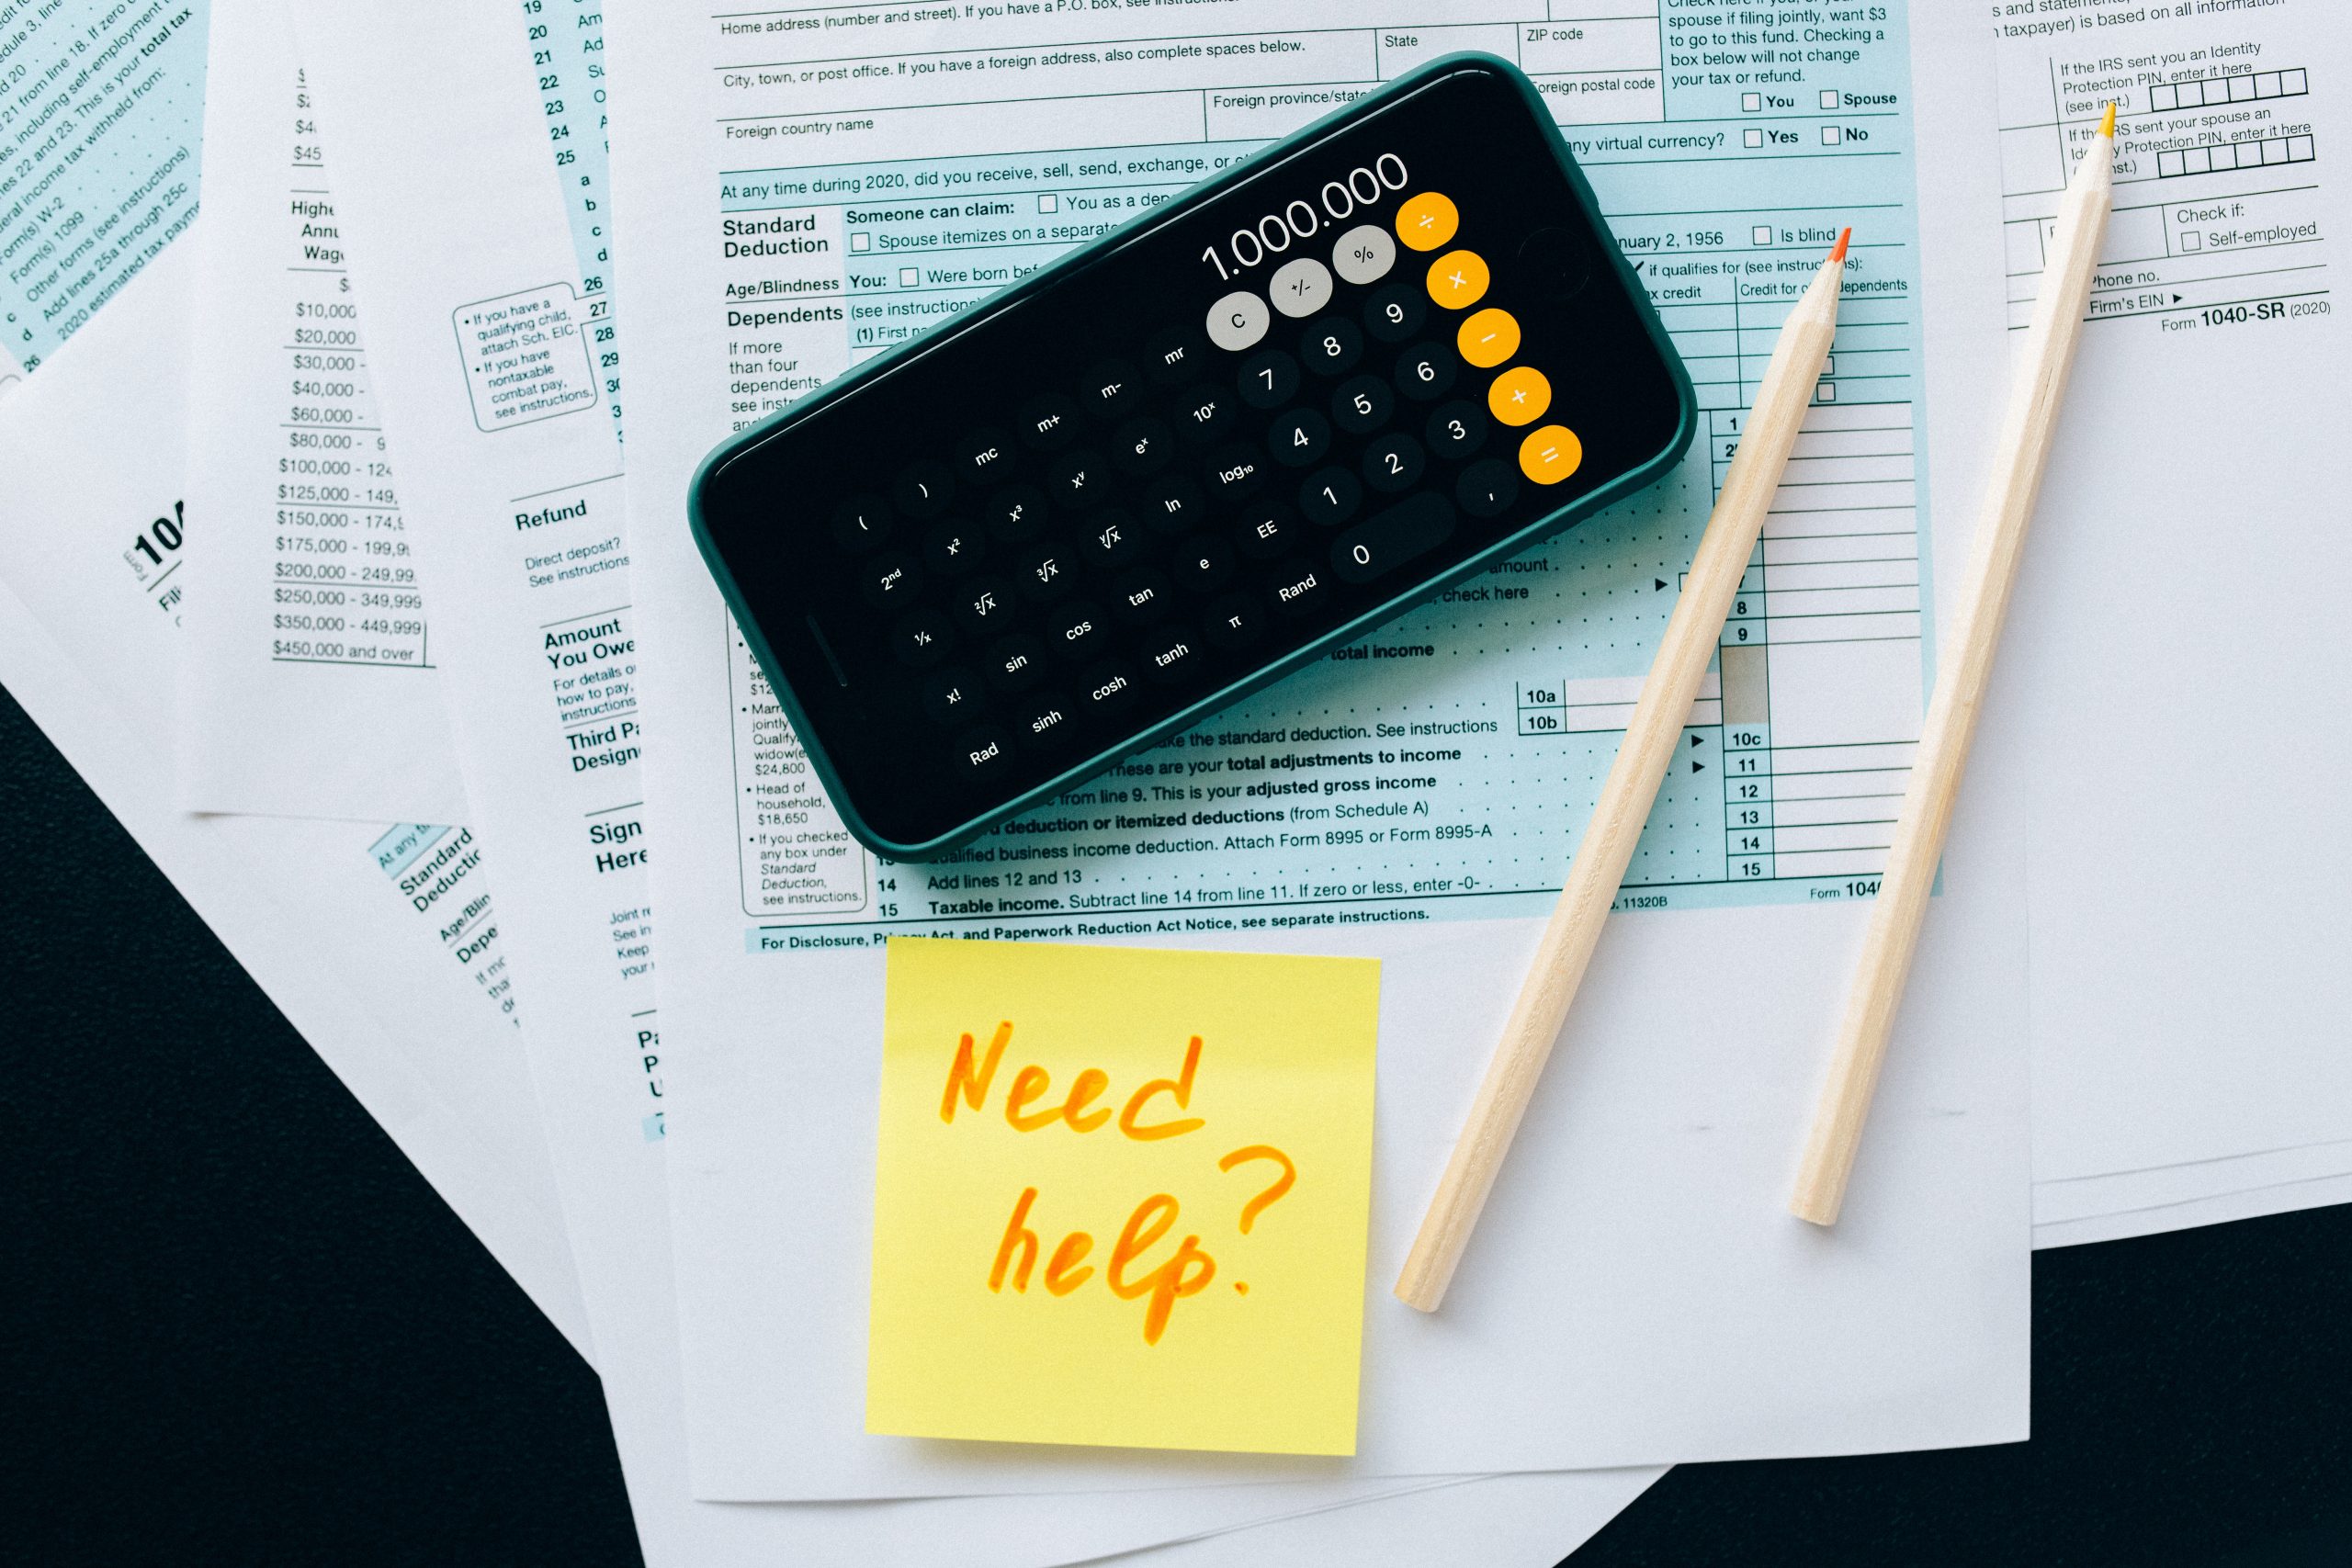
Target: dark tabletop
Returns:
[240, 1327]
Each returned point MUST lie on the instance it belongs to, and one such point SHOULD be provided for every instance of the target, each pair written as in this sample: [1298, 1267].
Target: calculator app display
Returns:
[1162, 471]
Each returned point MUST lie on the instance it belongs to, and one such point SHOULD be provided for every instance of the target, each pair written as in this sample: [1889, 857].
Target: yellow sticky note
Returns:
[1121, 1196]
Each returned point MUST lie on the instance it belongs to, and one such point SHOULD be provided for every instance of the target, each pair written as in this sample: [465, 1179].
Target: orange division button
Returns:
[1488, 338]
[1458, 279]
[1427, 222]
[1550, 454]
[1520, 396]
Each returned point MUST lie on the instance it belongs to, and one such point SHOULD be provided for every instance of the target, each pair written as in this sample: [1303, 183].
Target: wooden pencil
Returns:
[1659, 718]
[2021, 455]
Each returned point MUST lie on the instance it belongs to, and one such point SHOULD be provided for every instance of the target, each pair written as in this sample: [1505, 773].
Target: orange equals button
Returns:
[1550, 454]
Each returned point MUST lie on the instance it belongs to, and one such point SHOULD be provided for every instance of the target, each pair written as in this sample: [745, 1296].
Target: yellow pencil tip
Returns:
[2106, 125]
[1837, 252]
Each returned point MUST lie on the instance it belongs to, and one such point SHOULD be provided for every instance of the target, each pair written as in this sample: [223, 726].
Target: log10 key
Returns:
[1278, 410]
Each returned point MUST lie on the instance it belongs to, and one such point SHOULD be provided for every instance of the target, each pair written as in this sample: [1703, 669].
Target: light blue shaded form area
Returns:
[1445, 765]
[567, 39]
[403, 845]
[101, 133]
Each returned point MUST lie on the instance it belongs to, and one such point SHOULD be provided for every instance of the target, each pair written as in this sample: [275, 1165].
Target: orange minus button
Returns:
[1550, 454]
[1487, 337]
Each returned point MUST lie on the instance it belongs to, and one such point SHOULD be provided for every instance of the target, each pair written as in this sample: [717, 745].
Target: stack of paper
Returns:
[323, 560]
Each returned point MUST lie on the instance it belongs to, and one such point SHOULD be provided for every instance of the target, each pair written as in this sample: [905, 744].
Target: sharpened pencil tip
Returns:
[2106, 125]
[1837, 252]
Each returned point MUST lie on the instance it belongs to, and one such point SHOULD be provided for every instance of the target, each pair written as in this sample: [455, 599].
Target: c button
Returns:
[1238, 320]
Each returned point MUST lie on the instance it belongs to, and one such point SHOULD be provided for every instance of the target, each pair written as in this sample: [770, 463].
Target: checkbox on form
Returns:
[908, 277]
[1763, 234]
[1751, 138]
[861, 242]
[1751, 103]
[1049, 203]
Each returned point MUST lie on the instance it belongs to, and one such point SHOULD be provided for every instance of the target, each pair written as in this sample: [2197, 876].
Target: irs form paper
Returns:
[2173, 612]
[1636, 1292]
[428, 252]
[375, 940]
[101, 137]
[309, 686]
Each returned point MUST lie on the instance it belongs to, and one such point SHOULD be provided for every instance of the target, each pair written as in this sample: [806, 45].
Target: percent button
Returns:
[1364, 254]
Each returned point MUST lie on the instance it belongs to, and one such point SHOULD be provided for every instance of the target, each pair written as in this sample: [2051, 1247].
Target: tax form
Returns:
[309, 688]
[101, 135]
[375, 941]
[470, 290]
[799, 188]
[2188, 988]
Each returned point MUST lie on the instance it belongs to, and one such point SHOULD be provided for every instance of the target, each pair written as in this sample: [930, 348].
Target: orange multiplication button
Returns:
[1488, 337]
[1458, 279]
[1550, 454]
[1520, 396]
[1427, 222]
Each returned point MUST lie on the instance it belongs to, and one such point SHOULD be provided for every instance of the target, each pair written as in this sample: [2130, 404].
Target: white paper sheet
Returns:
[308, 688]
[1507, 1521]
[427, 252]
[91, 455]
[1637, 1291]
[2189, 988]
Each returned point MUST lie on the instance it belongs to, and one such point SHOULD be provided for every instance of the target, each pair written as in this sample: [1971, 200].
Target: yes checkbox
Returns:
[1751, 139]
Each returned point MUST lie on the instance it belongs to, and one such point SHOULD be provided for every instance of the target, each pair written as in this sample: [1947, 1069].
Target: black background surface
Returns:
[240, 1327]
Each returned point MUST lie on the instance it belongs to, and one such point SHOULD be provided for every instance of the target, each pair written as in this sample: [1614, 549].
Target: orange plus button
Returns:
[1458, 279]
[1488, 338]
[1550, 454]
[1427, 222]
[1520, 396]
